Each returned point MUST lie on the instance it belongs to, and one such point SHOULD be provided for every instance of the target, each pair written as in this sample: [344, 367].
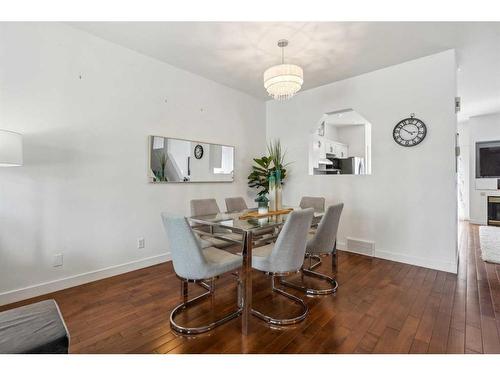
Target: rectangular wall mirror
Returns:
[180, 160]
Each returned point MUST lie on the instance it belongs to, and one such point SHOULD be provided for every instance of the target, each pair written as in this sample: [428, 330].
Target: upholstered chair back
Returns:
[236, 204]
[185, 249]
[318, 203]
[288, 251]
[201, 207]
[326, 234]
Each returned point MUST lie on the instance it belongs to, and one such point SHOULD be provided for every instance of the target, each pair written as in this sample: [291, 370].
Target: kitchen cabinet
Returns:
[329, 146]
[321, 145]
[342, 150]
[323, 148]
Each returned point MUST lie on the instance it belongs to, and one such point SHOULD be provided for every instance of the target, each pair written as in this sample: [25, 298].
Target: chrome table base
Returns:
[286, 321]
[188, 303]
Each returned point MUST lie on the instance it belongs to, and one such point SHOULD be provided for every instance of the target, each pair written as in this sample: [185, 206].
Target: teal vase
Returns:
[278, 176]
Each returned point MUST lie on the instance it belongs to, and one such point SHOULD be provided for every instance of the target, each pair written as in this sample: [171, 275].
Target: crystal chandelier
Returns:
[284, 80]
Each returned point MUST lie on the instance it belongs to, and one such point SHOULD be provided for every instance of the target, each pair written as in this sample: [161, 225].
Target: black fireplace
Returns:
[494, 210]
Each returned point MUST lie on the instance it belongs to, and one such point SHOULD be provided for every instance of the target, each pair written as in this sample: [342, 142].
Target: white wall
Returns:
[481, 128]
[331, 132]
[408, 204]
[354, 137]
[83, 189]
[463, 181]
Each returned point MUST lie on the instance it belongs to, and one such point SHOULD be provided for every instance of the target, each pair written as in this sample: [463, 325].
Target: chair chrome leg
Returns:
[212, 294]
[287, 321]
[334, 262]
[309, 272]
[334, 258]
[315, 265]
[321, 276]
[187, 303]
[184, 290]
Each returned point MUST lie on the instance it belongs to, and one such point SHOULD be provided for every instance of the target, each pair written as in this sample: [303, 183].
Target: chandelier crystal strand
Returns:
[284, 80]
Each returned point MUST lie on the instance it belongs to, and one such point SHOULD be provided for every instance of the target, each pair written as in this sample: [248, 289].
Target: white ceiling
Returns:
[237, 53]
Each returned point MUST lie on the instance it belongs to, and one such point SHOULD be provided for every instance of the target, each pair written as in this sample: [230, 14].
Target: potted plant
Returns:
[262, 204]
[271, 166]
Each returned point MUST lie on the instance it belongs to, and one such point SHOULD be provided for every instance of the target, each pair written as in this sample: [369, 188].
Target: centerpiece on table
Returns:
[268, 175]
[262, 204]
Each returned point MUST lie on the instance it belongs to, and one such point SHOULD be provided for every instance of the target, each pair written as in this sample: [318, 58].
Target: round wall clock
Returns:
[198, 151]
[409, 132]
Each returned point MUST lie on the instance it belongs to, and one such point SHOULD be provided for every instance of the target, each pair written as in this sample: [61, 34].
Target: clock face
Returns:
[409, 132]
[198, 151]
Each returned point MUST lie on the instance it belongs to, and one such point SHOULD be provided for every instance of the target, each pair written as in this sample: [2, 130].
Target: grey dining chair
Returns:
[322, 243]
[283, 258]
[194, 264]
[317, 203]
[201, 207]
[220, 237]
[236, 204]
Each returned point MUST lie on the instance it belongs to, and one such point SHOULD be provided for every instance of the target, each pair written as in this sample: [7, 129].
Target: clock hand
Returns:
[409, 132]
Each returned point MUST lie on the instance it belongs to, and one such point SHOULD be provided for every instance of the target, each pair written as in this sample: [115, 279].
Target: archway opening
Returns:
[341, 144]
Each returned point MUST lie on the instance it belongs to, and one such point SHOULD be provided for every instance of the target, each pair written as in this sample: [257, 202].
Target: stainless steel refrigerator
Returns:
[352, 165]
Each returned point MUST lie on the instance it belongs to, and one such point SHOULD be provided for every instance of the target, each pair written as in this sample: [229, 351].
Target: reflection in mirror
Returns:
[179, 160]
[341, 144]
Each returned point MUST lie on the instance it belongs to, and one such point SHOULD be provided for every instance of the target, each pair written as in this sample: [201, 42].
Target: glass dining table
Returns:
[238, 222]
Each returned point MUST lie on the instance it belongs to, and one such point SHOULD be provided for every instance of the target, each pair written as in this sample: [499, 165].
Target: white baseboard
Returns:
[342, 246]
[416, 261]
[83, 278]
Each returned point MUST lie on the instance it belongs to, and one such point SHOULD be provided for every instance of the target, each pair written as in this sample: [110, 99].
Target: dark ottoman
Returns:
[36, 328]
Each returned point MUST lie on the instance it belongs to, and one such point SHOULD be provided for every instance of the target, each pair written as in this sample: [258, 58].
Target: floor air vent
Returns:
[361, 246]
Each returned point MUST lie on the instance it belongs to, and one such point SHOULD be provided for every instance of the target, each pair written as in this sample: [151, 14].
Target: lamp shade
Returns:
[283, 81]
[11, 149]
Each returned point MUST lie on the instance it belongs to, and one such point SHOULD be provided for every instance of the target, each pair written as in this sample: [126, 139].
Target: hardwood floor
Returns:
[381, 307]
